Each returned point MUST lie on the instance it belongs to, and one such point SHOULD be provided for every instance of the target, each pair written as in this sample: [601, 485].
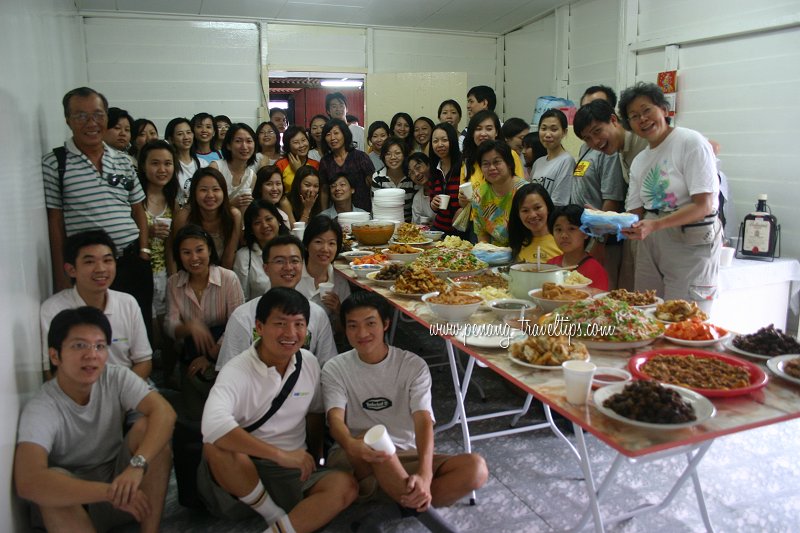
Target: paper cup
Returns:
[466, 188]
[299, 225]
[578, 380]
[444, 201]
[379, 440]
[325, 288]
[726, 256]
[164, 220]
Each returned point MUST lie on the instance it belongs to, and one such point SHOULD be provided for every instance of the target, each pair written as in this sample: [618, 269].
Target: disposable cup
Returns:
[325, 288]
[299, 232]
[299, 225]
[444, 200]
[379, 440]
[164, 220]
[578, 380]
[726, 256]
[466, 188]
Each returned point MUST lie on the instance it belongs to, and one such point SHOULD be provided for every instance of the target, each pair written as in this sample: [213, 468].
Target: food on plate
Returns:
[452, 260]
[490, 293]
[607, 320]
[553, 291]
[390, 272]
[403, 249]
[347, 244]
[576, 278]
[649, 401]
[548, 351]
[696, 372]
[677, 310]
[792, 367]
[486, 247]
[418, 280]
[488, 279]
[633, 298]
[767, 341]
[456, 243]
[450, 296]
[408, 233]
[694, 329]
[374, 259]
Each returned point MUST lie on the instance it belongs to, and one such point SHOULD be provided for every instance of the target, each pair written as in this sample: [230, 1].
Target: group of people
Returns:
[184, 244]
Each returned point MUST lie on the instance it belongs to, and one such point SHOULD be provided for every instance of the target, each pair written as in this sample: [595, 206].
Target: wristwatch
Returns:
[138, 461]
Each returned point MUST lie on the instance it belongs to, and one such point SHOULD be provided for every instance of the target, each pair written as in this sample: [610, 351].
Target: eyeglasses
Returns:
[497, 163]
[645, 114]
[80, 346]
[283, 261]
[117, 179]
[82, 118]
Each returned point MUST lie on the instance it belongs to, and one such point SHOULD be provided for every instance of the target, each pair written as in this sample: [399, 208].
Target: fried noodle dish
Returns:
[418, 280]
[696, 372]
[548, 351]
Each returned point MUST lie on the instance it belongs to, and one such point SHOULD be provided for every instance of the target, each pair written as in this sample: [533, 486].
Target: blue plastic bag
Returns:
[599, 223]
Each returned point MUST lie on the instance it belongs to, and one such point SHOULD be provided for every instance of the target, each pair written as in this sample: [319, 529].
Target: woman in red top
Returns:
[565, 224]
[446, 159]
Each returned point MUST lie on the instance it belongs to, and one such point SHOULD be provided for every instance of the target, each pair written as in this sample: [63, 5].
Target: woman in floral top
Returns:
[491, 201]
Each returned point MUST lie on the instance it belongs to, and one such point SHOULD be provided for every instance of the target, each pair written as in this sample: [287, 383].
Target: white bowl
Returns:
[405, 258]
[608, 375]
[434, 235]
[551, 305]
[497, 307]
[361, 271]
[449, 312]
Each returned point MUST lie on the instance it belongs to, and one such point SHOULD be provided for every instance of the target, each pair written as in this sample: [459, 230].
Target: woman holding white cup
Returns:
[238, 157]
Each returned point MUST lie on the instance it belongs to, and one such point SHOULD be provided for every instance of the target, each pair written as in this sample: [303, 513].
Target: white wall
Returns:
[42, 59]
[529, 67]
[164, 69]
[592, 45]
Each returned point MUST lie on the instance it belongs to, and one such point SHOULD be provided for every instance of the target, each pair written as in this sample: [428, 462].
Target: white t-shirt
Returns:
[185, 173]
[129, 342]
[555, 176]
[249, 268]
[421, 207]
[82, 437]
[387, 393]
[666, 177]
[243, 393]
[240, 333]
[358, 137]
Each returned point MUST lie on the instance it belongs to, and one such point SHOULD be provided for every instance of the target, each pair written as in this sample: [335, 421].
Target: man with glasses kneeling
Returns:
[72, 459]
[283, 259]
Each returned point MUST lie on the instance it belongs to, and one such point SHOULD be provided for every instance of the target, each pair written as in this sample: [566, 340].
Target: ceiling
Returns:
[495, 18]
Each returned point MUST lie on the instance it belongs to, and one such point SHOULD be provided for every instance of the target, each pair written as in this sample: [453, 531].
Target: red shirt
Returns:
[589, 267]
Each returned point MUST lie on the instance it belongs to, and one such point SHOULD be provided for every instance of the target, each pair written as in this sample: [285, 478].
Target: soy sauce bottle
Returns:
[759, 232]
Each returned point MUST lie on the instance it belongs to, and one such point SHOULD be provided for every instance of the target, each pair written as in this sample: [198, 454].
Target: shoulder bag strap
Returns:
[277, 402]
[61, 158]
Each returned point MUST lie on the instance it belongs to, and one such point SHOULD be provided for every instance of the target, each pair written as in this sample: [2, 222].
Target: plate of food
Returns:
[678, 311]
[450, 263]
[552, 296]
[651, 405]
[786, 366]
[694, 332]
[490, 342]
[711, 374]
[575, 280]
[637, 299]
[387, 276]
[607, 324]
[409, 234]
[545, 353]
[765, 343]
[402, 252]
[352, 254]
[415, 281]
[419, 242]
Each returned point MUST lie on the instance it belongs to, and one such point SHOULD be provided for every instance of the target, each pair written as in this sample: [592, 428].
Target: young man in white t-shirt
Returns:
[89, 260]
[253, 463]
[72, 459]
[380, 384]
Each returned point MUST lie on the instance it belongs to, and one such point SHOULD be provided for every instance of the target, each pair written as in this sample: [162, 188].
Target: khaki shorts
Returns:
[102, 514]
[368, 488]
[282, 484]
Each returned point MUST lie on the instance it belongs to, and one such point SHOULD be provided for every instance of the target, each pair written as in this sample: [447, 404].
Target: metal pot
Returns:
[524, 277]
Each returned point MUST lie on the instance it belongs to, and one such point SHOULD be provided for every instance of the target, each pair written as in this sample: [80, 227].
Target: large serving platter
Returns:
[703, 408]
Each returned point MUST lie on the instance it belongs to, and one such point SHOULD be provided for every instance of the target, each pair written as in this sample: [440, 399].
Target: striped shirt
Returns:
[381, 181]
[91, 201]
[222, 295]
[449, 185]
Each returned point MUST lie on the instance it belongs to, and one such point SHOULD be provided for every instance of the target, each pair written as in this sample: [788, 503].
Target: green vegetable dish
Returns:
[606, 320]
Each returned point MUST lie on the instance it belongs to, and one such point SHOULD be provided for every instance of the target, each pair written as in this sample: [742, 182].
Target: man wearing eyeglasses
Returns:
[97, 188]
[72, 460]
[283, 263]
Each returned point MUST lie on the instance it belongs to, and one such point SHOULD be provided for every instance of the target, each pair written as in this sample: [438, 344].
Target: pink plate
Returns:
[758, 378]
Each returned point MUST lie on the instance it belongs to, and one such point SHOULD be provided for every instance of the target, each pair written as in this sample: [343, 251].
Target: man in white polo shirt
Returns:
[89, 261]
[283, 262]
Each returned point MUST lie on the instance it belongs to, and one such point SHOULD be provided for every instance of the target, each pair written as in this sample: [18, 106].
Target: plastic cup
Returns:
[578, 380]
[164, 220]
[726, 256]
[325, 288]
[299, 225]
[444, 200]
[379, 440]
[466, 188]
